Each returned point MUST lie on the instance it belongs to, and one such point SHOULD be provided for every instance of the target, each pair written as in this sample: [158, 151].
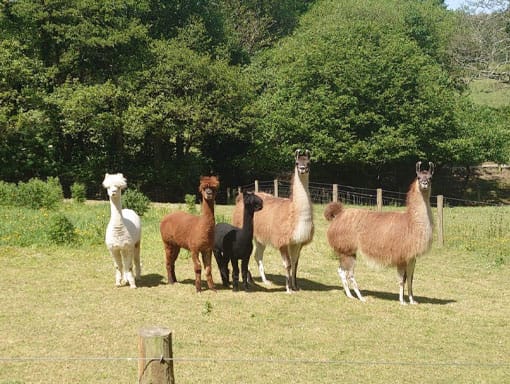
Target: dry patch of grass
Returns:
[60, 302]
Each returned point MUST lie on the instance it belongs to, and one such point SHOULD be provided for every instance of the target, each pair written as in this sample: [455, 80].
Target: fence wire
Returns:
[259, 360]
[322, 193]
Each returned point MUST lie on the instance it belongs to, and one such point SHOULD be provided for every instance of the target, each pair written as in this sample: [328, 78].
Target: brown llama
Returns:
[194, 233]
[388, 238]
[284, 223]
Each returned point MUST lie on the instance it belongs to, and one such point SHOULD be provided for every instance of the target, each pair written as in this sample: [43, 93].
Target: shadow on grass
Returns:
[394, 297]
[277, 284]
[151, 280]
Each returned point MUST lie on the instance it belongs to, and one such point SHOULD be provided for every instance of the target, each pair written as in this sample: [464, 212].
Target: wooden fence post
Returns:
[440, 229]
[379, 199]
[335, 192]
[275, 187]
[155, 364]
[256, 185]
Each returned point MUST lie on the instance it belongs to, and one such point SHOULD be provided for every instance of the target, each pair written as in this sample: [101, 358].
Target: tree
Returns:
[352, 86]
[481, 45]
[27, 145]
[184, 101]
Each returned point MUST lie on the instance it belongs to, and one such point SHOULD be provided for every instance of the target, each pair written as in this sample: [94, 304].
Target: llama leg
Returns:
[401, 269]
[410, 275]
[136, 260]
[197, 267]
[171, 253]
[127, 261]
[206, 258]
[117, 263]
[235, 274]
[246, 274]
[350, 276]
[222, 261]
[346, 273]
[259, 254]
[343, 278]
[287, 265]
[294, 251]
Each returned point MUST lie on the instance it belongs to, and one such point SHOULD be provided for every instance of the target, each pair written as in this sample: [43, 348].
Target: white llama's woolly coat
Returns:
[123, 233]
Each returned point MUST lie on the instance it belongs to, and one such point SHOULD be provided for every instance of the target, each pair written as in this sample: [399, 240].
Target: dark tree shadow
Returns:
[394, 297]
[150, 280]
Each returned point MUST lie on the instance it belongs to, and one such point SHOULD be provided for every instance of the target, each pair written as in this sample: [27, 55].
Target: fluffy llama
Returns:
[234, 244]
[285, 223]
[123, 233]
[194, 233]
[388, 238]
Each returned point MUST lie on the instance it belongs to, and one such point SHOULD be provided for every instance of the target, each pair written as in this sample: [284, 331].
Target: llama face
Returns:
[209, 187]
[303, 163]
[114, 184]
[424, 177]
[252, 201]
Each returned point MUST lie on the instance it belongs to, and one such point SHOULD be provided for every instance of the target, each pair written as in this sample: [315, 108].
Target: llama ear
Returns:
[298, 151]
[308, 153]
[431, 168]
[418, 167]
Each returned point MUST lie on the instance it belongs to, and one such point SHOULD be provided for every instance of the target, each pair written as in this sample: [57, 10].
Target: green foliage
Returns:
[135, 85]
[8, 193]
[375, 98]
[191, 206]
[61, 230]
[37, 194]
[78, 192]
[135, 200]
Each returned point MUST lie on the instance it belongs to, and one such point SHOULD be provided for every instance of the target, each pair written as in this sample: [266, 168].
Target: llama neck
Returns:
[116, 212]
[247, 229]
[300, 194]
[302, 207]
[418, 205]
[208, 211]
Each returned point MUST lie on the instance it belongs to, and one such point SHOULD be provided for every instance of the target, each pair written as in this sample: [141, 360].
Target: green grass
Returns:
[61, 310]
[490, 92]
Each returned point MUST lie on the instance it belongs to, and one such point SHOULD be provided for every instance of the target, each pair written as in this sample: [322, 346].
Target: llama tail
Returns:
[333, 210]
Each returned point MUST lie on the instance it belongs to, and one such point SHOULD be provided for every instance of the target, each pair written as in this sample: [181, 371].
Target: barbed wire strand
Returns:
[260, 360]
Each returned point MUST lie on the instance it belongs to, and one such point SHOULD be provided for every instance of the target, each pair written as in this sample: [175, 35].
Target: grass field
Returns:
[63, 321]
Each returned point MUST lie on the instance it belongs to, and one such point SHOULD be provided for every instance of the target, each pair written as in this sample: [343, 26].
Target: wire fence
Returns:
[323, 193]
[43, 359]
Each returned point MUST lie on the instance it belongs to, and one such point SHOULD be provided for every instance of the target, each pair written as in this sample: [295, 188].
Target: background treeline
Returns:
[164, 90]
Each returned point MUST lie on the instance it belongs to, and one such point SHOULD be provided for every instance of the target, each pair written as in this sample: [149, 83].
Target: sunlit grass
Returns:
[60, 302]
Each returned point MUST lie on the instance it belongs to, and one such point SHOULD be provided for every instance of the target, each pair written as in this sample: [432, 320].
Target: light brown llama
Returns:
[388, 238]
[284, 223]
[195, 233]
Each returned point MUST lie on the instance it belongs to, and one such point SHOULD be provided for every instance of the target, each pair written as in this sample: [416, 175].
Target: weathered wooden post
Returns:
[440, 233]
[275, 187]
[335, 192]
[256, 185]
[155, 364]
[379, 199]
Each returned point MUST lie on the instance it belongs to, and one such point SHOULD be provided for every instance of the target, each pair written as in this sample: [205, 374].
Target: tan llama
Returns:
[284, 223]
[388, 238]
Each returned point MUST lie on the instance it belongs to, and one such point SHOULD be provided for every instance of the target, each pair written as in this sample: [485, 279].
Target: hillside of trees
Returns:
[167, 90]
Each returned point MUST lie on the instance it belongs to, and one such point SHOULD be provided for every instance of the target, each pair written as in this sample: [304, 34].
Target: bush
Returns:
[135, 200]
[190, 203]
[39, 194]
[61, 230]
[78, 192]
[7, 193]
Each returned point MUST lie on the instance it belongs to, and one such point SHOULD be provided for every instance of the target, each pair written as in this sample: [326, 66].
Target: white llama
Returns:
[123, 233]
